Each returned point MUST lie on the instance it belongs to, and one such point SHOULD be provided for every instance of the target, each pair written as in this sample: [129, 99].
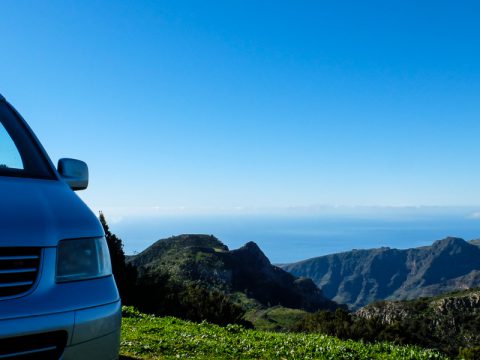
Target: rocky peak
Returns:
[250, 253]
[450, 242]
[252, 246]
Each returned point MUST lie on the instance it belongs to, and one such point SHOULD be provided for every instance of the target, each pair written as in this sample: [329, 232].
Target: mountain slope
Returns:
[359, 277]
[204, 260]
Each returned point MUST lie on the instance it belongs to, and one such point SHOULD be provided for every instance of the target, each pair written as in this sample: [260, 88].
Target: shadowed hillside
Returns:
[359, 277]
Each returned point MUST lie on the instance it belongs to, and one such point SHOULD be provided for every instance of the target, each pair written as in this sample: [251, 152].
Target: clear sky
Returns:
[224, 106]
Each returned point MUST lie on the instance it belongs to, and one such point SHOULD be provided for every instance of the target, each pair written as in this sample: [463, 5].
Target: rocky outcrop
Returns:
[469, 302]
[387, 312]
[446, 308]
[448, 322]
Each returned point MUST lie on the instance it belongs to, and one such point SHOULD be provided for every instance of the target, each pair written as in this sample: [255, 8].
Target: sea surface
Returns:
[286, 239]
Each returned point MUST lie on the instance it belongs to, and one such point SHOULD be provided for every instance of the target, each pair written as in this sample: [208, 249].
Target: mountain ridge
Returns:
[359, 277]
[206, 261]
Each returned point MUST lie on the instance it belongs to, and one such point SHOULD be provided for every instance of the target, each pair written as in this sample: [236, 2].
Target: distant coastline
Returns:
[289, 239]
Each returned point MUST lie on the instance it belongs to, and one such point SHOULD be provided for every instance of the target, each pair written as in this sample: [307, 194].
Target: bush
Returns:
[472, 353]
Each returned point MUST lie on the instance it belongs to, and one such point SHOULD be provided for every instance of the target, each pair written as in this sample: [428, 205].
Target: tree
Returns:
[125, 274]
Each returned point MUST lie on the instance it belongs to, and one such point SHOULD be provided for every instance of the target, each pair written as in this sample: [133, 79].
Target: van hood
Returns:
[42, 212]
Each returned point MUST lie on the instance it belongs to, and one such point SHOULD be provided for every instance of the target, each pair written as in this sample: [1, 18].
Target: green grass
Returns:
[276, 318]
[149, 337]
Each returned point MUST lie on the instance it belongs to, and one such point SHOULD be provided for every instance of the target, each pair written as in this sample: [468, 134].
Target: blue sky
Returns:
[243, 106]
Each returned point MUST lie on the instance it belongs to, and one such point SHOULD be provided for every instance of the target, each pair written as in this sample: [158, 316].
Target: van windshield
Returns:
[20, 156]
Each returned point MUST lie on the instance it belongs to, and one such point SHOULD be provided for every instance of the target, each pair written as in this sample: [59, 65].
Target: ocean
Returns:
[286, 239]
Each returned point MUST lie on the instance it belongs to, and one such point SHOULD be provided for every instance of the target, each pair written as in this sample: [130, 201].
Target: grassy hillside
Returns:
[149, 337]
[276, 318]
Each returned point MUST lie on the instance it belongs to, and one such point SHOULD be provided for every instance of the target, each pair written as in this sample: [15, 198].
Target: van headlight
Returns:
[81, 259]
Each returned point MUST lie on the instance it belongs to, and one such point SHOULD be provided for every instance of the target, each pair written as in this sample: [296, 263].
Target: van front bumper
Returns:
[91, 333]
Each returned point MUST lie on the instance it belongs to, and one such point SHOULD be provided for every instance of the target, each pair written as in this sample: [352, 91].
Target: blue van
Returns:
[58, 298]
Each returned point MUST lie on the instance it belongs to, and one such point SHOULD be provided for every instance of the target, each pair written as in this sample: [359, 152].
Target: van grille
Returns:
[45, 346]
[18, 270]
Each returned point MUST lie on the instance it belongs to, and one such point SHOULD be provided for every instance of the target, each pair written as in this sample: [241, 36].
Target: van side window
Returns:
[20, 153]
[9, 155]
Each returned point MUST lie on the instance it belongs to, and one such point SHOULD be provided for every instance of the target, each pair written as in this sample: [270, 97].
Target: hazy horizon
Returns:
[292, 237]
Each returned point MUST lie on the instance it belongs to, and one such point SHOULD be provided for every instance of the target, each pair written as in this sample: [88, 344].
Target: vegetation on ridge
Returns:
[244, 278]
[449, 323]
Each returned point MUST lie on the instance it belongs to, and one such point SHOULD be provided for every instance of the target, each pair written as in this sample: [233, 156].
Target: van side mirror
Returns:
[74, 173]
